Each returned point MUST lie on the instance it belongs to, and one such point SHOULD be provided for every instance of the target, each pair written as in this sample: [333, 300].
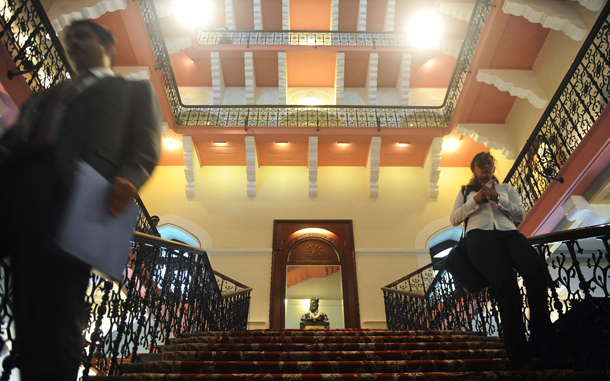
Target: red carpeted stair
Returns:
[333, 355]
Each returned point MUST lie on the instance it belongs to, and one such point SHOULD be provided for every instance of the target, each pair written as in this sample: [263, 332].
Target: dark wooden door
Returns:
[326, 242]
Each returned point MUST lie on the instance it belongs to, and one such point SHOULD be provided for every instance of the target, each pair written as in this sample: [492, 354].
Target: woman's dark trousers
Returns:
[495, 254]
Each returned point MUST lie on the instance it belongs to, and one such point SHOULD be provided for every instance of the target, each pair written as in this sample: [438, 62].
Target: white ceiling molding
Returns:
[258, 15]
[285, 14]
[404, 80]
[578, 208]
[432, 166]
[460, 11]
[362, 16]
[388, 22]
[334, 15]
[373, 165]
[230, 15]
[494, 136]
[250, 78]
[251, 166]
[371, 79]
[313, 166]
[339, 79]
[132, 73]
[450, 47]
[189, 171]
[518, 83]
[176, 44]
[556, 15]
[64, 13]
[218, 81]
[592, 5]
[282, 77]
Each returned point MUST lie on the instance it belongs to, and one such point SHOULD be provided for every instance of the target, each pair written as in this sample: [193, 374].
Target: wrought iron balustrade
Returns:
[306, 116]
[145, 224]
[576, 105]
[31, 41]
[579, 301]
[169, 289]
[302, 38]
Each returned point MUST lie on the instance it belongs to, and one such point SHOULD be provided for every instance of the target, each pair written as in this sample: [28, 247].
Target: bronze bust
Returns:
[313, 314]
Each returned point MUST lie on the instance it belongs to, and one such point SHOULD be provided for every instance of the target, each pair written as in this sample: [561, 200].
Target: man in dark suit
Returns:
[108, 122]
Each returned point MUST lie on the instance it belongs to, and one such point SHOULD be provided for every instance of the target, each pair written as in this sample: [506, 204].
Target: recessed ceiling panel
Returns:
[310, 14]
[491, 106]
[412, 155]
[521, 36]
[431, 69]
[375, 14]
[244, 15]
[272, 14]
[192, 71]
[233, 68]
[356, 68]
[212, 154]
[389, 68]
[294, 153]
[354, 154]
[348, 15]
[265, 68]
[311, 68]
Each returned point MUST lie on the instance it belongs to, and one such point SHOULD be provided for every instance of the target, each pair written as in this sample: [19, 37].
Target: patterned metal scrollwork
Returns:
[307, 116]
[29, 38]
[578, 102]
[579, 296]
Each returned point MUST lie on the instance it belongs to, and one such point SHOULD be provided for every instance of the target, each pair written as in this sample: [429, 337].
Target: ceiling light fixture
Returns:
[170, 140]
[281, 143]
[220, 143]
[311, 100]
[451, 144]
[192, 13]
[425, 29]
[403, 144]
[343, 144]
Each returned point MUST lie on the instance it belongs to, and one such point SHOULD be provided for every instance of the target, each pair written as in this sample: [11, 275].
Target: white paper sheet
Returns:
[88, 231]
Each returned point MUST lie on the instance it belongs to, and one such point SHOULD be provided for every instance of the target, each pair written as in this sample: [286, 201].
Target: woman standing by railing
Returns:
[496, 247]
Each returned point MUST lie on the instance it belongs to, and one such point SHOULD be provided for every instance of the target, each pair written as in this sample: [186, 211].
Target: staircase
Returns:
[346, 354]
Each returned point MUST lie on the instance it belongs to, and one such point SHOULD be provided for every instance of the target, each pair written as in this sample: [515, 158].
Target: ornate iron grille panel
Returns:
[29, 38]
[579, 297]
[302, 38]
[306, 116]
[578, 102]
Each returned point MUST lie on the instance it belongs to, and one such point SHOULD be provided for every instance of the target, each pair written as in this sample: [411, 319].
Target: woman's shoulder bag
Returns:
[461, 268]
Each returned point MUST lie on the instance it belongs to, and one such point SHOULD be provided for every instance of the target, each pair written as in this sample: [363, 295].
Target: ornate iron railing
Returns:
[168, 289]
[318, 116]
[578, 102]
[145, 224]
[302, 38]
[30, 39]
[579, 299]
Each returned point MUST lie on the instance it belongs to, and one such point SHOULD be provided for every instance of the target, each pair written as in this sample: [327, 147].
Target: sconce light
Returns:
[343, 144]
[405, 144]
[281, 143]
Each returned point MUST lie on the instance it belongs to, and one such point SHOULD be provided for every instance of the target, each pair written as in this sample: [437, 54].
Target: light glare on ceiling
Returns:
[400, 144]
[425, 29]
[192, 13]
[220, 143]
[343, 144]
[450, 144]
[281, 143]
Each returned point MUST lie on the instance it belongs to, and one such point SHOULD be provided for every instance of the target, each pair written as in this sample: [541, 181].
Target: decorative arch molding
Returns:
[190, 227]
[430, 230]
[335, 249]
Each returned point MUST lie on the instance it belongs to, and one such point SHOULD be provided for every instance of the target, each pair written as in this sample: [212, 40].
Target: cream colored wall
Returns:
[384, 228]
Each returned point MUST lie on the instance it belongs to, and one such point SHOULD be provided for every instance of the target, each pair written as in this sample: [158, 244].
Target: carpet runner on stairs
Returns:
[332, 355]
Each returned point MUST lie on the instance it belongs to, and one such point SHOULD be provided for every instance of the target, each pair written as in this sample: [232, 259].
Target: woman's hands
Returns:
[485, 193]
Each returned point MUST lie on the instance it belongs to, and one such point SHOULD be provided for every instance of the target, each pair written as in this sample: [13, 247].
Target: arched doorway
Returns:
[321, 243]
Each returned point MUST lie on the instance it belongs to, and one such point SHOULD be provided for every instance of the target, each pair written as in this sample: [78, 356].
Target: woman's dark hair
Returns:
[479, 158]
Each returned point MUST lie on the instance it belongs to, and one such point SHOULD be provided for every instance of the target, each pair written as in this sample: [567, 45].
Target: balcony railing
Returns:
[579, 300]
[578, 102]
[302, 38]
[307, 116]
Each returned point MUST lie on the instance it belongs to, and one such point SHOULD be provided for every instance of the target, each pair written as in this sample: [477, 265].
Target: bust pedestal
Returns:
[315, 325]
